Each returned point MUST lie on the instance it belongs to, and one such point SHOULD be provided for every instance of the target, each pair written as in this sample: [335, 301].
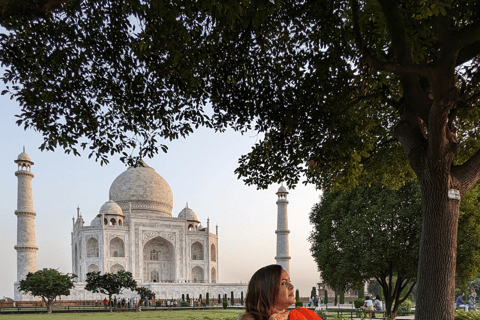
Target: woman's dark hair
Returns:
[377, 297]
[262, 290]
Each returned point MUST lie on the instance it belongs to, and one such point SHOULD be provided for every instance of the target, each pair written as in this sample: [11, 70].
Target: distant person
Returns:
[377, 305]
[368, 305]
[471, 300]
[269, 295]
[459, 303]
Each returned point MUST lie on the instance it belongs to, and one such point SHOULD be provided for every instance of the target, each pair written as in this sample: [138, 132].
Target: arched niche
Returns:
[116, 267]
[92, 248]
[92, 268]
[197, 274]
[213, 276]
[117, 248]
[197, 251]
[213, 253]
[159, 255]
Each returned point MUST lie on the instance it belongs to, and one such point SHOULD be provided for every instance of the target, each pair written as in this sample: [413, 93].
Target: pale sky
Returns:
[198, 169]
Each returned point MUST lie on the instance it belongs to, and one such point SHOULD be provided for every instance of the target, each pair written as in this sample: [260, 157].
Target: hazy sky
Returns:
[199, 170]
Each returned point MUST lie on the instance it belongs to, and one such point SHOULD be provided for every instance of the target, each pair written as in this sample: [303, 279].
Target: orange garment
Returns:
[303, 314]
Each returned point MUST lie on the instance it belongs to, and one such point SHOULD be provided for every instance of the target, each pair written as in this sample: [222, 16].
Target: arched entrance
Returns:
[158, 260]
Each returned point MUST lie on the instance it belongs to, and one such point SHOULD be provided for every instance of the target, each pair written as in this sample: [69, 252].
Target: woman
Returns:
[369, 305]
[377, 305]
[471, 300]
[269, 295]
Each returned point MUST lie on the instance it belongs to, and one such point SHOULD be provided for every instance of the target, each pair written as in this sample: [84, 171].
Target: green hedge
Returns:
[359, 303]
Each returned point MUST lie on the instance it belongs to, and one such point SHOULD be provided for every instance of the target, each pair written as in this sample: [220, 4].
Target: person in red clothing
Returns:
[269, 294]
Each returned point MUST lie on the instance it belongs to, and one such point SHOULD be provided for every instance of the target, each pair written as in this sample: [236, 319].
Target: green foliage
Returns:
[359, 303]
[326, 297]
[468, 248]
[145, 294]
[299, 303]
[225, 304]
[340, 92]
[370, 232]
[110, 283]
[313, 293]
[158, 303]
[219, 299]
[48, 284]
[462, 315]
[232, 300]
[185, 304]
[342, 297]
[361, 291]
[183, 297]
[207, 300]
[297, 295]
[188, 298]
[406, 305]
[241, 298]
[336, 297]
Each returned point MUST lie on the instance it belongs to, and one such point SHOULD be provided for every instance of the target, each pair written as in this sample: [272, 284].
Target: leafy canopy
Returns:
[48, 284]
[370, 232]
[110, 283]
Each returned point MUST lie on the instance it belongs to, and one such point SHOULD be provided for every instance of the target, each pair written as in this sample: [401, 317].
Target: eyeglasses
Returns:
[289, 285]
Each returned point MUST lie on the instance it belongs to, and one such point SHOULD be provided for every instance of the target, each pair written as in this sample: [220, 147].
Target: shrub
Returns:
[462, 315]
[225, 304]
[299, 304]
[158, 304]
[359, 303]
[406, 305]
[185, 304]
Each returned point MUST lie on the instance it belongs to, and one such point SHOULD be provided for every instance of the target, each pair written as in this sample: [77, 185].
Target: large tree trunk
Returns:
[438, 247]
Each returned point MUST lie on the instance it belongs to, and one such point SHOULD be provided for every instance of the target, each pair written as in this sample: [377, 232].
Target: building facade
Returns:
[136, 232]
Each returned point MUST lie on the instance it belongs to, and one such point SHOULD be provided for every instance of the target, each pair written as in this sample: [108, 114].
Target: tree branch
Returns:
[467, 173]
[466, 36]
[468, 52]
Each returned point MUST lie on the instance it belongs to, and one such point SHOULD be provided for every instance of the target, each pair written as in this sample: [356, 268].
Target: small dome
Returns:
[282, 189]
[96, 222]
[188, 214]
[110, 207]
[24, 156]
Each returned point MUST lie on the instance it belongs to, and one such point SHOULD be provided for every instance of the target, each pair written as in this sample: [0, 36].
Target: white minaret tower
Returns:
[26, 248]
[282, 231]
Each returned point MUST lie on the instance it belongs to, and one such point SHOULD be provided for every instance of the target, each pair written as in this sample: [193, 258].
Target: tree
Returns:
[110, 283]
[145, 294]
[370, 232]
[48, 284]
[340, 93]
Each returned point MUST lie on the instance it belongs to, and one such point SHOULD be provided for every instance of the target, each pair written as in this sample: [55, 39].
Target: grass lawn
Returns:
[161, 315]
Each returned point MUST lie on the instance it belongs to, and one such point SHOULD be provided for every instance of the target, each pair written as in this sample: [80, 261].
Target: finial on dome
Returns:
[23, 148]
[186, 206]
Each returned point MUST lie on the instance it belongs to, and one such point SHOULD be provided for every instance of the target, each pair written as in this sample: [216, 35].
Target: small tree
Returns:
[241, 298]
[207, 301]
[336, 294]
[326, 298]
[48, 284]
[188, 298]
[361, 291]
[219, 299]
[342, 297]
[110, 283]
[313, 294]
[183, 297]
[232, 299]
[145, 294]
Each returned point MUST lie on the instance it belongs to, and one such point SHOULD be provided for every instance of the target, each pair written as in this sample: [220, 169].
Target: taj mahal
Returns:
[135, 231]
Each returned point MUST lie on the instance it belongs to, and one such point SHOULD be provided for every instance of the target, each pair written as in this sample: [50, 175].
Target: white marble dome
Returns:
[96, 222]
[188, 214]
[110, 207]
[282, 189]
[24, 157]
[142, 189]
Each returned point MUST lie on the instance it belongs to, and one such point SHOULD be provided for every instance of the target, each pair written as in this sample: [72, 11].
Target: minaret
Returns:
[282, 231]
[26, 248]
